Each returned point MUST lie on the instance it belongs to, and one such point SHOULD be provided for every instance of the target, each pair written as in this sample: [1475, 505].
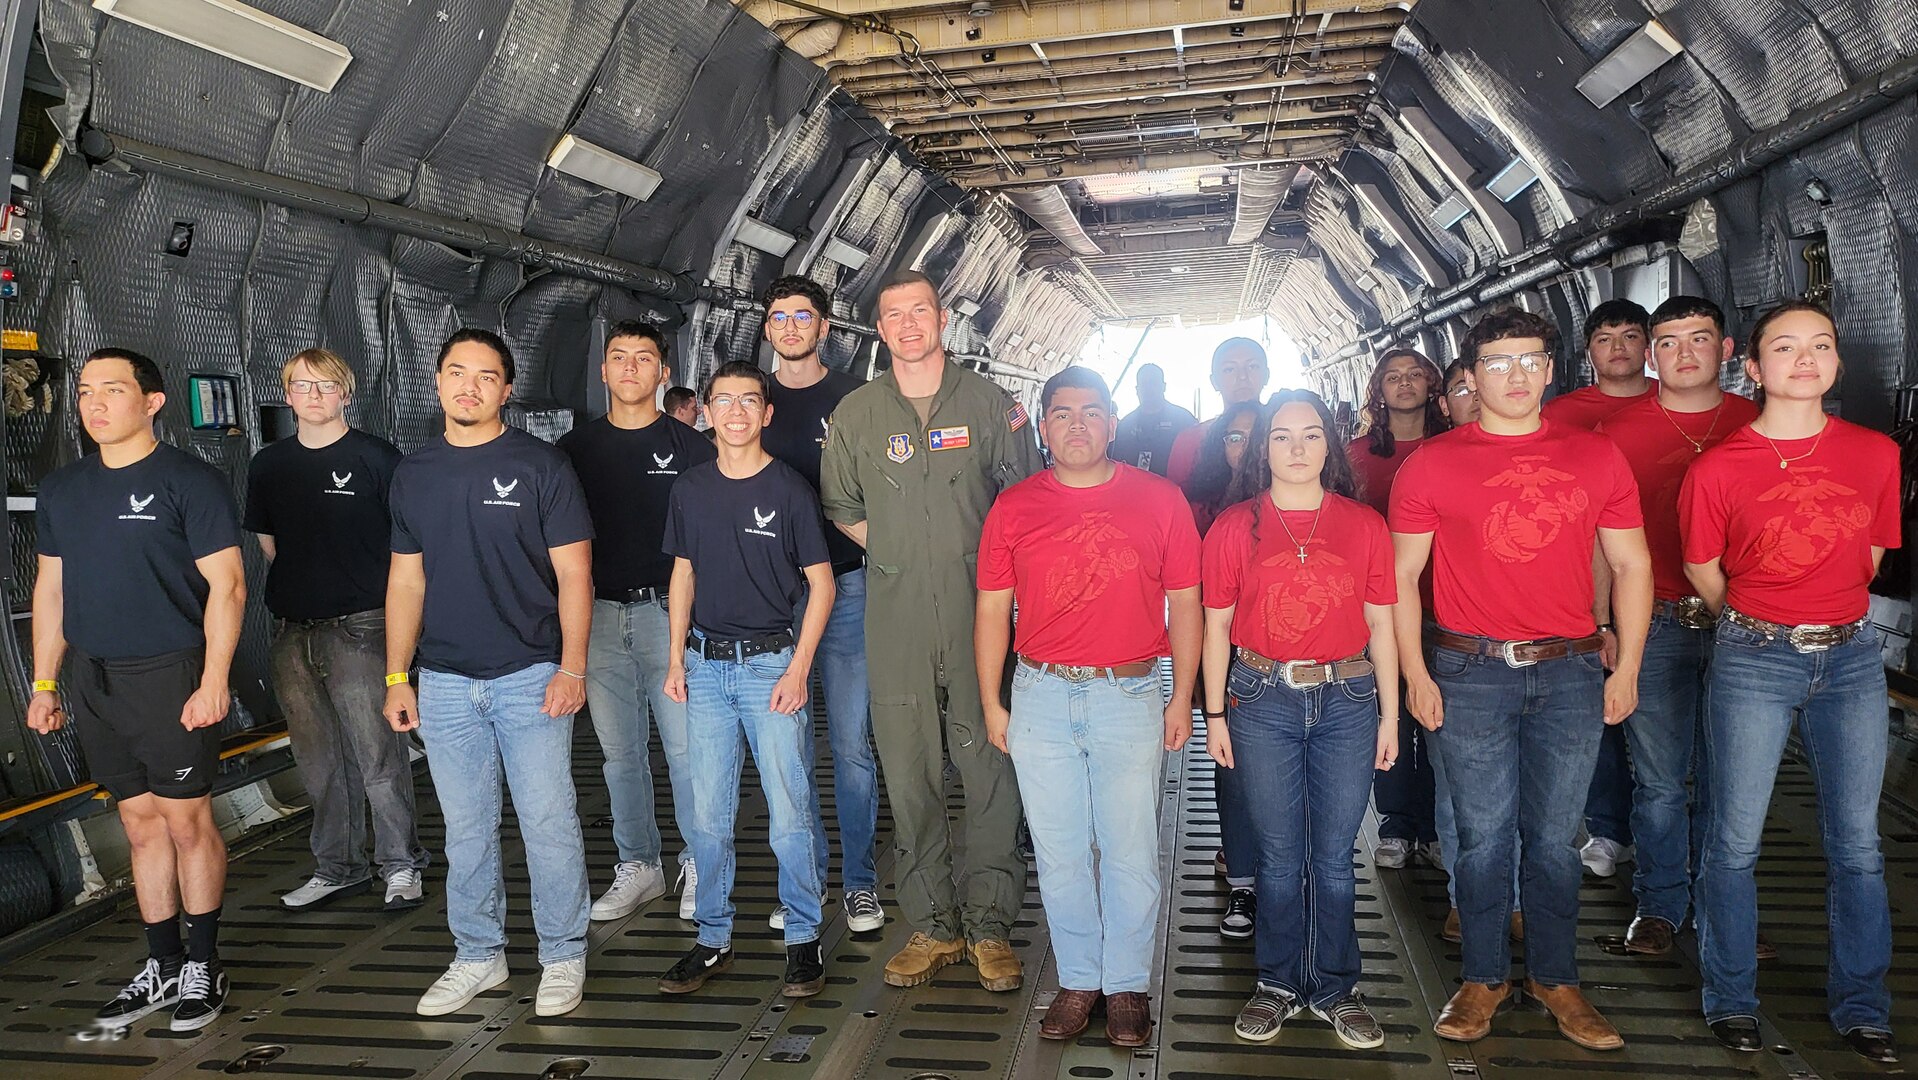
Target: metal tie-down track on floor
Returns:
[331, 992]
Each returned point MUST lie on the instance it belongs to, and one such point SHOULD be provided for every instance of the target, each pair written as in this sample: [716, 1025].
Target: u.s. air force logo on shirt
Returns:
[503, 491]
[760, 521]
[340, 482]
[662, 465]
[899, 447]
[139, 508]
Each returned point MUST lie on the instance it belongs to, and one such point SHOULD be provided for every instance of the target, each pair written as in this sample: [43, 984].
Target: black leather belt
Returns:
[648, 595]
[1518, 653]
[1689, 612]
[1805, 637]
[1305, 674]
[716, 649]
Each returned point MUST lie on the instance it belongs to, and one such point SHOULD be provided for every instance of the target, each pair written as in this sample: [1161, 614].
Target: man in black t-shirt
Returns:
[1146, 436]
[805, 392]
[627, 462]
[318, 503]
[747, 529]
[492, 582]
[142, 590]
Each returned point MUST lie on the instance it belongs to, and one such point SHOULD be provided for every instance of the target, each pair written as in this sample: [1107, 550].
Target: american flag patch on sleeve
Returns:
[1016, 417]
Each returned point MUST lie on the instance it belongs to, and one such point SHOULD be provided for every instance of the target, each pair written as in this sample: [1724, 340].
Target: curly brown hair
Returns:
[1379, 438]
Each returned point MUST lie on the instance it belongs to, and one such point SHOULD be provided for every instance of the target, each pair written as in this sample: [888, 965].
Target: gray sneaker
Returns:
[403, 890]
[319, 890]
[1352, 1022]
[1266, 1013]
[863, 911]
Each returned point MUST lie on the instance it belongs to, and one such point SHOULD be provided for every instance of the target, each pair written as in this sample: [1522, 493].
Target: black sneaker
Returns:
[805, 970]
[694, 969]
[154, 988]
[1241, 914]
[202, 994]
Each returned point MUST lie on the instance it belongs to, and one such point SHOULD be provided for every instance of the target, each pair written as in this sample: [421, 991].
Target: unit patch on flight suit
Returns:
[949, 438]
[899, 447]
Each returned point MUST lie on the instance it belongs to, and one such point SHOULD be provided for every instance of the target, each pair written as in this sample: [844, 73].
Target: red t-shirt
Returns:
[1090, 567]
[1659, 455]
[1375, 472]
[1514, 519]
[1184, 456]
[1589, 407]
[1795, 542]
[1311, 610]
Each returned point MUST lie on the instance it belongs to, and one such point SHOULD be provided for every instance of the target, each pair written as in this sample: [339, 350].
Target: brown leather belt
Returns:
[1689, 612]
[1806, 637]
[1517, 653]
[1305, 674]
[1083, 673]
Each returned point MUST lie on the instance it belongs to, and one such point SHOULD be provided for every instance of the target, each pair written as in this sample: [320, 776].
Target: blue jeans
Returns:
[626, 663]
[1759, 688]
[1404, 794]
[1518, 745]
[855, 771]
[1608, 799]
[1236, 836]
[1305, 759]
[729, 707]
[1088, 756]
[1663, 732]
[476, 731]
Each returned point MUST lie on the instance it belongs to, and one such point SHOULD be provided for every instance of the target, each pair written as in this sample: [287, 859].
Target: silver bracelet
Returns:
[573, 674]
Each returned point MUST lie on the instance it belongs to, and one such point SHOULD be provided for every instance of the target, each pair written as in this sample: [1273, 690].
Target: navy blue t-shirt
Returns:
[748, 541]
[127, 540]
[796, 435]
[326, 512]
[484, 517]
[627, 475]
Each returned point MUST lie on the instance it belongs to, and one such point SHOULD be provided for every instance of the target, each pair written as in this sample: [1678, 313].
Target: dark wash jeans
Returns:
[1304, 769]
[330, 675]
[1759, 689]
[1404, 794]
[1669, 796]
[1518, 746]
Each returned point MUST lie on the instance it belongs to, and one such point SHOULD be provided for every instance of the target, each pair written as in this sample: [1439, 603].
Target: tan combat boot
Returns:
[921, 959]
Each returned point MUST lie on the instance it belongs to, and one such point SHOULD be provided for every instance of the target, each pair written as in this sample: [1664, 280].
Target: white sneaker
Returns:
[463, 981]
[863, 912]
[777, 919]
[1601, 856]
[317, 889]
[688, 889]
[403, 890]
[561, 987]
[1391, 853]
[634, 883]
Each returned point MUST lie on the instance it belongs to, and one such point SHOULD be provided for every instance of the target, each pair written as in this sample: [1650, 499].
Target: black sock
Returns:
[163, 939]
[202, 936]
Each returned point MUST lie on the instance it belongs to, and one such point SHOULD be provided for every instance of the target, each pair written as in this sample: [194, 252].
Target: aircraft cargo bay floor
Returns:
[330, 992]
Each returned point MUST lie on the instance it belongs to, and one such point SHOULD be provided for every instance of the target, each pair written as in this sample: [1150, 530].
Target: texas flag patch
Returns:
[949, 438]
[1016, 417]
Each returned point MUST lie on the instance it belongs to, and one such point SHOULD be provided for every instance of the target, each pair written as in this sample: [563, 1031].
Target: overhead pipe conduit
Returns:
[101, 147]
[1595, 235]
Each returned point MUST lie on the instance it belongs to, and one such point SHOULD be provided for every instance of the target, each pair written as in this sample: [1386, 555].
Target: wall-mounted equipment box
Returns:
[214, 401]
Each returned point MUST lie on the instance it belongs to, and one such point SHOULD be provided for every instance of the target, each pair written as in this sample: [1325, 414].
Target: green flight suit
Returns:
[923, 492]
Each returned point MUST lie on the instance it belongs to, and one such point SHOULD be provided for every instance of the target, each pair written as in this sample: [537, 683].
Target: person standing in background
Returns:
[1145, 437]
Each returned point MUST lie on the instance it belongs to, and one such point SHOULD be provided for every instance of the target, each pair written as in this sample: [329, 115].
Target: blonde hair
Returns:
[325, 363]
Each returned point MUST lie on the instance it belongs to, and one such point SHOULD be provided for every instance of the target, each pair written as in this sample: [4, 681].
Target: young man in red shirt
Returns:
[1508, 512]
[1239, 373]
[1617, 343]
[1095, 552]
[1660, 438]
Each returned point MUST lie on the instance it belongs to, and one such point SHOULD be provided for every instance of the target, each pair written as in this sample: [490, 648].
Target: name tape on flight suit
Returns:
[949, 438]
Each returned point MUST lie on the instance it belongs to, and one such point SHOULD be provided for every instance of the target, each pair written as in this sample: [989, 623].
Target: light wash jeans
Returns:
[1088, 756]
[1759, 689]
[626, 663]
[855, 770]
[478, 731]
[729, 707]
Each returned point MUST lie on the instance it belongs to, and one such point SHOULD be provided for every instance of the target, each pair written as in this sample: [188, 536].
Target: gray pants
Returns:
[330, 677]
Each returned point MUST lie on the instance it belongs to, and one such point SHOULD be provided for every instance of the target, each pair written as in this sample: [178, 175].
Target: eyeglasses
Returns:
[326, 387]
[1234, 438]
[748, 402]
[801, 319]
[1461, 390]
[1501, 363]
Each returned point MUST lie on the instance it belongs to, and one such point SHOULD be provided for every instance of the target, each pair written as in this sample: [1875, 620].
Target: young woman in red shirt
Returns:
[1301, 703]
[1784, 525]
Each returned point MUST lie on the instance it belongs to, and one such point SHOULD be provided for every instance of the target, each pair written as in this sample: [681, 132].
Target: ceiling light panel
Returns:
[1649, 47]
[595, 164]
[240, 32]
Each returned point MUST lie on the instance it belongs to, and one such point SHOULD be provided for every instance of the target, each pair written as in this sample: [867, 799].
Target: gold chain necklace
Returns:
[1698, 445]
[1289, 535]
[1784, 461]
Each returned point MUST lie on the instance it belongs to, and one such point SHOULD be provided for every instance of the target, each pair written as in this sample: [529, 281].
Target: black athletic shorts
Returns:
[128, 716]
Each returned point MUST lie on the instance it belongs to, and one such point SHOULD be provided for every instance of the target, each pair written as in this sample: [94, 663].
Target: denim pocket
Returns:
[1023, 676]
[1450, 663]
[1244, 684]
[693, 659]
[769, 666]
[1140, 686]
[1363, 688]
[1730, 635]
[1592, 662]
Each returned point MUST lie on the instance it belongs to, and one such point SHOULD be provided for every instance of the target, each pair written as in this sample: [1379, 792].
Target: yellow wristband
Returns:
[397, 678]
[47, 685]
